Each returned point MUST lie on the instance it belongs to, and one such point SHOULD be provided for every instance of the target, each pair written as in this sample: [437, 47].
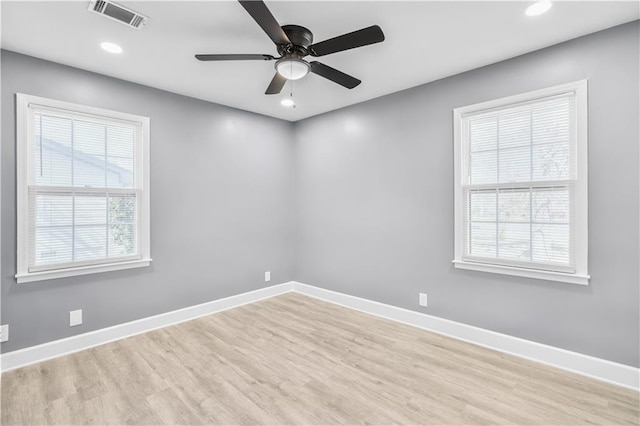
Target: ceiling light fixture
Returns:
[292, 68]
[538, 8]
[110, 47]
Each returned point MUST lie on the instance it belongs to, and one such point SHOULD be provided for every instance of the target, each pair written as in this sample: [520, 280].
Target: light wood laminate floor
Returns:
[292, 359]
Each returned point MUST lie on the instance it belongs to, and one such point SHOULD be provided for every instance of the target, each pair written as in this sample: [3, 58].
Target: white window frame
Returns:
[24, 164]
[580, 188]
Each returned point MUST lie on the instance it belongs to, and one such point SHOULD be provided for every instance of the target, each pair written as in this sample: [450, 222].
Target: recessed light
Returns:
[110, 47]
[538, 8]
[287, 102]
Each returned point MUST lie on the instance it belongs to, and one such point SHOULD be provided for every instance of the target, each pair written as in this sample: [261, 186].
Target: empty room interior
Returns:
[320, 212]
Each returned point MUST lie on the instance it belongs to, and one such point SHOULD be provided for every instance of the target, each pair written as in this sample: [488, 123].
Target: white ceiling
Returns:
[425, 41]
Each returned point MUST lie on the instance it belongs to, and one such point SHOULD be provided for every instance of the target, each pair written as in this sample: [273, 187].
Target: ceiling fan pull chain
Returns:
[293, 82]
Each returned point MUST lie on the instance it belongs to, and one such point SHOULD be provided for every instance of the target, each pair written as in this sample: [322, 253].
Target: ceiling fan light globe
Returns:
[292, 69]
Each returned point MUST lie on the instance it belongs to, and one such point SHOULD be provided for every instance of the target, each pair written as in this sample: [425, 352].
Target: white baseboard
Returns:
[607, 371]
[596, 368]
[49, 350]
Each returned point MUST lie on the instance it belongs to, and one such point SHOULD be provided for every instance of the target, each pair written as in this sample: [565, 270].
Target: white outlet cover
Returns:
[75, 318]
[267, 276]
[423, 299]
[4, 330]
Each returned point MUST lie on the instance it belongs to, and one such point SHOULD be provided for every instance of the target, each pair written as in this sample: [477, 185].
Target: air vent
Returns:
[118, 13]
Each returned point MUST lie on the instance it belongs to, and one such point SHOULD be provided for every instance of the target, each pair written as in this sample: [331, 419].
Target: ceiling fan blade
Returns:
[334, 75]
[239, 57]
[363, 37]
[261, 14]
[276, 85]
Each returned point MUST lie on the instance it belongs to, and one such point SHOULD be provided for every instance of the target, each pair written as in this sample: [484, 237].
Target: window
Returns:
[82, 189]
[521, 185]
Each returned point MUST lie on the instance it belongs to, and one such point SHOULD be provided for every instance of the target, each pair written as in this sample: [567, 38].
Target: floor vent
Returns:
[118, 13]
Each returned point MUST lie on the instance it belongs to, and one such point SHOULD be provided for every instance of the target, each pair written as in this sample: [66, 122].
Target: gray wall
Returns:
[221, 206]
[374, 202]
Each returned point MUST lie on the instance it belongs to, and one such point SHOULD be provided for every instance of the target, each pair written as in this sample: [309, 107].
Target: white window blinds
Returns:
[518, 180]
[83, 203]
[84, 190]
[518, 198]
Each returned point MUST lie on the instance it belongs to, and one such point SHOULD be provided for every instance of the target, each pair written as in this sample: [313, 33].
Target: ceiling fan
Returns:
[293, 43]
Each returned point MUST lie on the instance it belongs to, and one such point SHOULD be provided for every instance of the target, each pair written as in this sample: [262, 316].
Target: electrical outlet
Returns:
[423, 299]
[75, 318]
[4, 333]
[267, 276]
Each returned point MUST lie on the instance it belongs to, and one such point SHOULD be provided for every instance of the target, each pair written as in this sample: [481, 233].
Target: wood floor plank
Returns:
[293, 359]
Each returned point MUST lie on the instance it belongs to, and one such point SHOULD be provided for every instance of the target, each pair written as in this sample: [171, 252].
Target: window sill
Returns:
[81, 270]
[523, 272]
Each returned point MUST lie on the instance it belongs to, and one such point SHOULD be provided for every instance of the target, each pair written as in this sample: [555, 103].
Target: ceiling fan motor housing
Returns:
[301, 38]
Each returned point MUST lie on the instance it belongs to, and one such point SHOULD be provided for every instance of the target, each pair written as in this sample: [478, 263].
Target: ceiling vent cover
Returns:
[118, 13]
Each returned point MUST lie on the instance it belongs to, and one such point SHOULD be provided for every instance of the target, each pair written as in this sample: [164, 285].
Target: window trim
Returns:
[23, 152]
[581, 275]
